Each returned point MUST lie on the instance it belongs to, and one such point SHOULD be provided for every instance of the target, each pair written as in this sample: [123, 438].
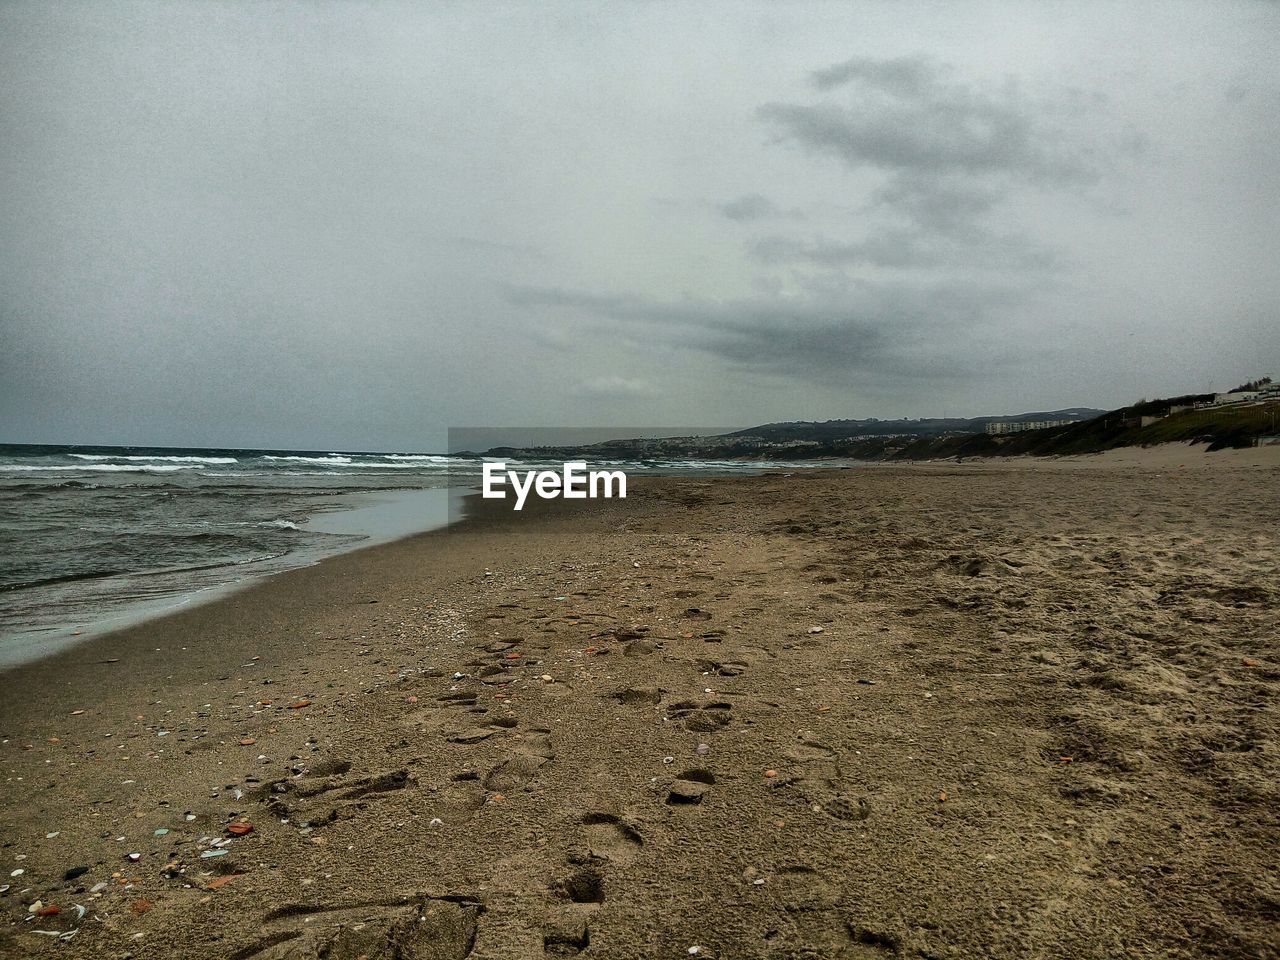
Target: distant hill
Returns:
[828, 430]
[1187, 418]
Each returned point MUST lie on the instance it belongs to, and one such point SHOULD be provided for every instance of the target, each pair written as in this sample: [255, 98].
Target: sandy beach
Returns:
[1008, 709]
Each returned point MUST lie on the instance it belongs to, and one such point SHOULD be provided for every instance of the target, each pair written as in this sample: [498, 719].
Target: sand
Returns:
[1013, 709]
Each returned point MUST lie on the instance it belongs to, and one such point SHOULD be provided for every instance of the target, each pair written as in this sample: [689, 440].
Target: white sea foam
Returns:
[104, 456]
[336, 459]
[392, 462]
[102, 468]
[387, 466]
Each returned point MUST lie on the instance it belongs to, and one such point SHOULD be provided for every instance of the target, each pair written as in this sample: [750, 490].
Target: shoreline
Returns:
[910, 653]
[377, 517]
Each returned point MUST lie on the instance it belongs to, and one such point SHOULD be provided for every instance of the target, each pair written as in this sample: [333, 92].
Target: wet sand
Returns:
[1007, 709]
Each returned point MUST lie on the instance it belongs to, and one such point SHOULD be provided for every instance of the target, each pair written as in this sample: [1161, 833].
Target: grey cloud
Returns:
[754, 206]
[910, 249]
[905, 116]
[847, 332]
[895, 249]
[903, 76]
[948, 207]
[952, 154]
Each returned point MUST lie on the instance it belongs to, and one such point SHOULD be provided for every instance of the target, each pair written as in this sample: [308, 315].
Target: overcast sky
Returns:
[353, 225]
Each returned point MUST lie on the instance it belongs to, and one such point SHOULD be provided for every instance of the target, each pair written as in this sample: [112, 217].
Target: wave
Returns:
[280, 525]
[139, 574]
[335, 458]
[398, 463]
[112, 456]
[369, 464]
[101, 467]
[63, 578]
[427, 457]
[26, 489]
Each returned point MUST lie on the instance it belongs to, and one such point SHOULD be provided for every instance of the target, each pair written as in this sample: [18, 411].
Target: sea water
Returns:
[95, 538]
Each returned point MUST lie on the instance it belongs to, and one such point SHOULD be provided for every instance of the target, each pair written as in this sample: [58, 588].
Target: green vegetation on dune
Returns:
[1217, 427]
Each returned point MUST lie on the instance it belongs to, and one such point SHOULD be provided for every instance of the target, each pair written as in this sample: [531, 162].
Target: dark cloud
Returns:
[949, 207]
[908, 116]
[847, 332]
[952, 153]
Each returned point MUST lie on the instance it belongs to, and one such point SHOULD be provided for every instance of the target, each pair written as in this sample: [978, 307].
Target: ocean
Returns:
[96, 538]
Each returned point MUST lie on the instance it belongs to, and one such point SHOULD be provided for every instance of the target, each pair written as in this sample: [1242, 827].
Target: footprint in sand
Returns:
[638, 696]
[727, 668]
[817, 922]
[581, 889]
[460, 798]
[565, 936]
[420, 928]
[690, 787]
[824, 933]
[532, 752]
[611, 837]
[817, 780]
[319, 799]
[584, 883]
[486, 728]
[701, 717]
